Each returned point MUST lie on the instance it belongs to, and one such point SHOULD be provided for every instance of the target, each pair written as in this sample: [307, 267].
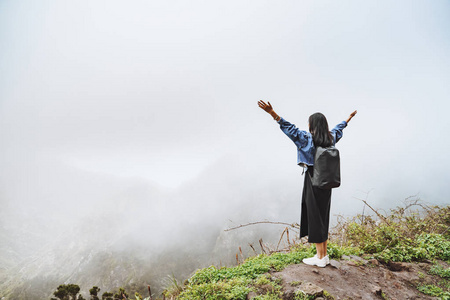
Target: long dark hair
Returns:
[318, 126]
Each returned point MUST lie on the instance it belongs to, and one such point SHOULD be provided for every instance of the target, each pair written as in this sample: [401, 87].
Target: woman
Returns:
[315, 216]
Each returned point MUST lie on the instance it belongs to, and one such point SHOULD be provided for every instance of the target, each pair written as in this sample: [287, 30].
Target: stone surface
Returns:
[288, 295]
[335, 264]
[374, 262]
[357, 258]
[377, 290]
[397, 266]
[351, 263]
[361, 282]
[388, 275]
[346, 257]
[310, 289]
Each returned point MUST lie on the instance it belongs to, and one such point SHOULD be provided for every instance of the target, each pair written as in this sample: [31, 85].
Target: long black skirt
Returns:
[315, 216]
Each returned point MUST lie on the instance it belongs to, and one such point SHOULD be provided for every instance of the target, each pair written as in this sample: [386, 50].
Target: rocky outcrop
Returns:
[356, 278]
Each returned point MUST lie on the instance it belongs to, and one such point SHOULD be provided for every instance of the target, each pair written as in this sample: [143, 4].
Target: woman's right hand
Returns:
[351, 116]
[267, 107]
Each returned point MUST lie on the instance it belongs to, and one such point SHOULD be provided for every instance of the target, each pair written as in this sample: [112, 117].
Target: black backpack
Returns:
[327, 168]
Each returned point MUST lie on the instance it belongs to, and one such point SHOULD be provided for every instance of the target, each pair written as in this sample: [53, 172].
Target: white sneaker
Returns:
[315, 261]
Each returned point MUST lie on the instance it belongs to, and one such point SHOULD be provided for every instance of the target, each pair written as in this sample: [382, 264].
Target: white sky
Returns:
[164, 90]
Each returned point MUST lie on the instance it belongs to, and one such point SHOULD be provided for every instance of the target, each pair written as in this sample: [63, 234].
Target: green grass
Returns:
[402, 236]
[440, 271]
[434, 291]
[237, 282]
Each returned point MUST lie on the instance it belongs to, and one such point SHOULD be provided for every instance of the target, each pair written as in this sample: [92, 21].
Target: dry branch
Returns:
[294, 225]
[242, 255]
[262, 246]
[375, 211]
[150, 292]
[281, 237]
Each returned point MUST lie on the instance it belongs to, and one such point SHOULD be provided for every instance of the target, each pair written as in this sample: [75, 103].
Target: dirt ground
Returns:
[356, 278]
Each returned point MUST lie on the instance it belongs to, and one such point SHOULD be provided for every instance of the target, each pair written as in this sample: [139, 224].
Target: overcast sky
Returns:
[163, 91]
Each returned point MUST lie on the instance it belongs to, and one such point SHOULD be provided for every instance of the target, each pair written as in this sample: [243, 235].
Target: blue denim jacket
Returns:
[304, 141]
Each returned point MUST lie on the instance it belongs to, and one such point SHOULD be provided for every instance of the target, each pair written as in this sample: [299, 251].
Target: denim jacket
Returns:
[304, 141]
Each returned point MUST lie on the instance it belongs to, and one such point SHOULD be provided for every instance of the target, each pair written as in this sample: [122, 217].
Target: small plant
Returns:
[107, 296]
[174, 288]
[295, 283]
[440, 271]
[299, 295]
[94, 293]
[67, 291]
[434, 291]
[327, 295]
[404, 235]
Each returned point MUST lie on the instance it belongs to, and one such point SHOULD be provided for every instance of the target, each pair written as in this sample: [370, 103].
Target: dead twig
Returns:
[281, 237]
[262, 246]
[242, 255]
[150, 292]
[287, 237]
[294, 225]
[375, 211]
[253, 248]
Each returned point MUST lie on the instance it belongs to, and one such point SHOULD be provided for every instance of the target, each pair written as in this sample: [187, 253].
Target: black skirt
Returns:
[315, 216]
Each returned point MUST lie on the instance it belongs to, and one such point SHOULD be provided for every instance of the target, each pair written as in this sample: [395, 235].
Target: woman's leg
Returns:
[321, 249]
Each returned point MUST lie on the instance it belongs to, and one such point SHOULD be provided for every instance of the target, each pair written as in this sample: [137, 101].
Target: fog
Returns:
[135, 127]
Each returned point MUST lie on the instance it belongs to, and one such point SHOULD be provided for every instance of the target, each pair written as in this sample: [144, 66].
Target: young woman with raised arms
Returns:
[316, 202]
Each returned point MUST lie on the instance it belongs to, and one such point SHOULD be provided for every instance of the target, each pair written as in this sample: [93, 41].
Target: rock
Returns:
[310, 289]
[377, 290]
[351, 263]
[292, 283]
[288, 295]
[335, 264]
[397, 285]
[374, 262]
[346, 257]
[388, 275]
[266, 288]
[315, 271]
[397, 266]
[344, 269]
[357, 258]
[251, 295]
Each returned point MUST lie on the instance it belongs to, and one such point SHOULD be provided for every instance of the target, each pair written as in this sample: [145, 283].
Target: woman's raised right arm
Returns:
[351, 116]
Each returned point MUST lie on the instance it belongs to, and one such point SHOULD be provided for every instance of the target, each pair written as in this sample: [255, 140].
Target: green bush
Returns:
[237, 282]
[401, 236]
[434, 291]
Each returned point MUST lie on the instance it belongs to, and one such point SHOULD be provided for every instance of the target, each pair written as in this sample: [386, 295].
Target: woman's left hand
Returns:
[267, 107]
